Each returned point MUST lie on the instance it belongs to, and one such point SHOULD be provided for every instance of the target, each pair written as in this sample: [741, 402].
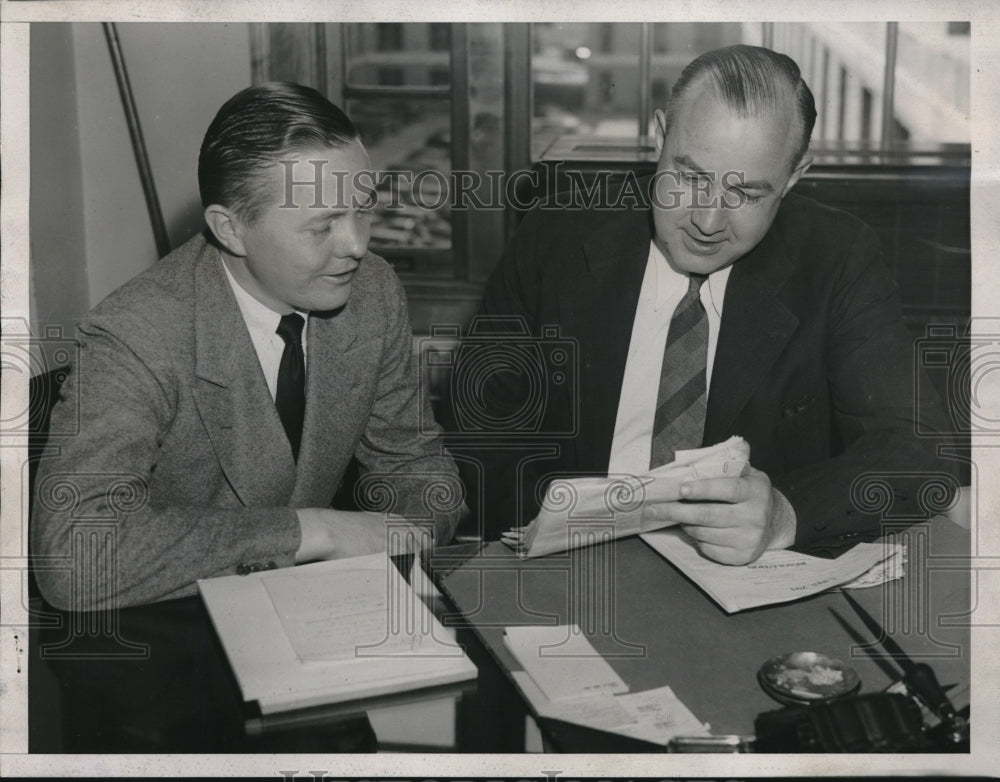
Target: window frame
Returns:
[889, 146]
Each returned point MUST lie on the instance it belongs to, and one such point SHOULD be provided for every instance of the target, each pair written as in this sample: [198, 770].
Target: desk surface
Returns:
[155, 679]
[656, 628]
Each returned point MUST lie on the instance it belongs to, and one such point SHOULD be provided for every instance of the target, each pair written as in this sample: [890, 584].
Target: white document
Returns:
[562, 663]
[656, 715]
[342, 616]
[574, 508]
[329, 632]
[889, 569]
[777, 577]
[659, 715]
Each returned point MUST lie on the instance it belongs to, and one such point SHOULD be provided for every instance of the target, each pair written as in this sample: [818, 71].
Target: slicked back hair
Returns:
[750, 80]
[253, 130]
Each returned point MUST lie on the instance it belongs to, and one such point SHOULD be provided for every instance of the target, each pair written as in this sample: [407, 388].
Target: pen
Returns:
[918, 677]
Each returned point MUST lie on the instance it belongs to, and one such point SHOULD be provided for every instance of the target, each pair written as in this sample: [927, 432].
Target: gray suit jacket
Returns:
[181, 469]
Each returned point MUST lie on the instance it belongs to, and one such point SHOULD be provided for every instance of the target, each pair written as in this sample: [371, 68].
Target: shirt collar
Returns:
[258, 316]
[668, 281]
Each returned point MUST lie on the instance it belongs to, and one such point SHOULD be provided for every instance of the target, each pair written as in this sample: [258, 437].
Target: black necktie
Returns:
[680, 405]
[290, 397]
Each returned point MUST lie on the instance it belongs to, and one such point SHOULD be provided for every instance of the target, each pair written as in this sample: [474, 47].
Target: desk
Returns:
[655, 628]
[177, 693]
[155, 679]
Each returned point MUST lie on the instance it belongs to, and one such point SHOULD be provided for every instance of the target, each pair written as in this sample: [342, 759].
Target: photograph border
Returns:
[15, 18]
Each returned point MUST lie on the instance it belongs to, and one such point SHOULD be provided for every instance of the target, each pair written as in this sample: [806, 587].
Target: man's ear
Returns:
[225, 225]
[800, 169]
[660, 118]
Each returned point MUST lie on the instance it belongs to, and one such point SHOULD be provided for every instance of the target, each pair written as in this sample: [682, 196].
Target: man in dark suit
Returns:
[721, 305]
[224, 391]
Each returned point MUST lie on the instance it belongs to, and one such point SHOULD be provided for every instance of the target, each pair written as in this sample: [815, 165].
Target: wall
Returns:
[58, 245]
[82, 160]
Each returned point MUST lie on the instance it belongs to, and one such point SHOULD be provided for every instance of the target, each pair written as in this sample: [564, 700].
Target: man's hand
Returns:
[335, 534]
[733, 520]
[332, 534]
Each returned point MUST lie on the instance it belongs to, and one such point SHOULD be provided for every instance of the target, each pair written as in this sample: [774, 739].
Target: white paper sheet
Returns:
[573, 505]
[339, 616]
[889, 569]
[777, 577]
[268, 667]
[562, 662]
[656, 715]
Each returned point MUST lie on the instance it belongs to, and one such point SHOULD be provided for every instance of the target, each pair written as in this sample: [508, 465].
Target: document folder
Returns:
[330, 632]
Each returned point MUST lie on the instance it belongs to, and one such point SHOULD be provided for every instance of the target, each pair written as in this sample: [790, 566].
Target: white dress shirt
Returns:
[262, 323]
[662, 289]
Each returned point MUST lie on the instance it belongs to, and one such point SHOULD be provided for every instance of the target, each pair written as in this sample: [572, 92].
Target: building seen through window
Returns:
[431, 99]
[586, 77]
[408, 135]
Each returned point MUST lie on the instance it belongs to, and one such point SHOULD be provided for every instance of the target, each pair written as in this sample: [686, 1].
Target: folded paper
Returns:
[582, 511]
[777, 577]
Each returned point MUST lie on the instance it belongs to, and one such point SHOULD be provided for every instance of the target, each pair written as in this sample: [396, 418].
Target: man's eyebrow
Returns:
[764, 186]
[324, 215]
[684, 160]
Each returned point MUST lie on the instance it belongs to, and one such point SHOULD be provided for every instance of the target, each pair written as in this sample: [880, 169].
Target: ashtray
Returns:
[807, 677]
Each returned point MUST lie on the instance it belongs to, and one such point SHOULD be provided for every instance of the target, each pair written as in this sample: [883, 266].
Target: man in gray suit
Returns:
[224, 391]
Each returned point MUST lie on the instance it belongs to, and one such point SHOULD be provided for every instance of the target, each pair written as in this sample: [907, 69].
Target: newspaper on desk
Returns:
[574, 507]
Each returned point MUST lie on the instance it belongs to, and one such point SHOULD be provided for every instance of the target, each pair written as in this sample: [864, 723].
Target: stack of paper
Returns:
[581, 511]
[330, 632]
[777, 577]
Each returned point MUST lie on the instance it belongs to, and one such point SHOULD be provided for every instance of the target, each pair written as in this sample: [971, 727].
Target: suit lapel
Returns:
[756, 326]
[597, 307]
[232, 396]
[338, 356]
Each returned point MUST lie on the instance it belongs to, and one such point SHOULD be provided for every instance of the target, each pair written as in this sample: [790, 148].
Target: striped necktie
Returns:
[679, 422]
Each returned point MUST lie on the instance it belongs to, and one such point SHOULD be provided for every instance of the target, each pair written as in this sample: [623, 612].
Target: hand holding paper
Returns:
[573, 507]
[734, 520]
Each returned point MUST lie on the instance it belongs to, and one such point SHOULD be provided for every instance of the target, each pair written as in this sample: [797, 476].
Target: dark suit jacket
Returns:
[181, 468]
[814, 367]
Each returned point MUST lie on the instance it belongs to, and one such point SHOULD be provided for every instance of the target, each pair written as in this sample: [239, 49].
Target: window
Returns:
[660, 92]
[440, 37]
[390, 37]
[866, 115]
[922, 68]
[841, 103]
[822, 95]
[428, 101]
[390, 77]
[605, 33]
[587, 78]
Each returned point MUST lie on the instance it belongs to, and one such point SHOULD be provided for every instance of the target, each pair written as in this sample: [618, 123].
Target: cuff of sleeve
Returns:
[275, 546]
[783, 521]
